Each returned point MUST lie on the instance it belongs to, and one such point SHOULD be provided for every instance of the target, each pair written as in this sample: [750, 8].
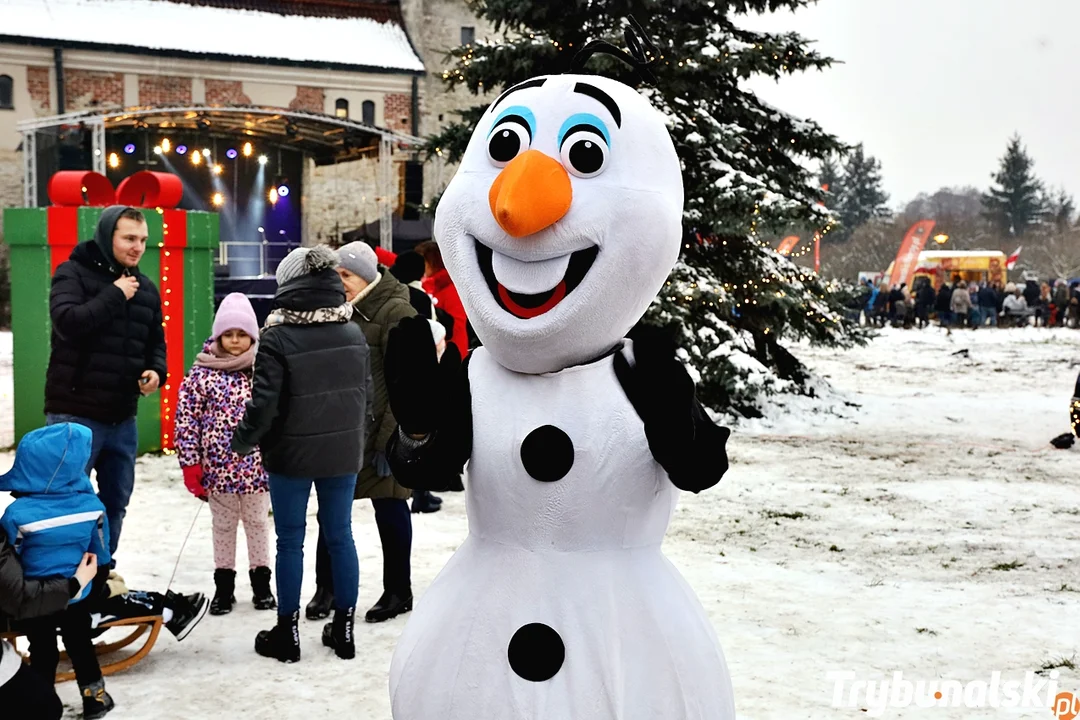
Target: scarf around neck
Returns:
[284, 316]
[215, 358]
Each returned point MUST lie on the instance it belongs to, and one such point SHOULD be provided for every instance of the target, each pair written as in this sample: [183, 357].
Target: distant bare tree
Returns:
[1056, 253]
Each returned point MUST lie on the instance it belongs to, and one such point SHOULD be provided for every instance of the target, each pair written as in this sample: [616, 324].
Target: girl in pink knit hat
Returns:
[211, 404]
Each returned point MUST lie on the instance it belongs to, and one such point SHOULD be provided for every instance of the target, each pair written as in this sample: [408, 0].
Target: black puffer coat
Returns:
[101, 342]
[309, 397]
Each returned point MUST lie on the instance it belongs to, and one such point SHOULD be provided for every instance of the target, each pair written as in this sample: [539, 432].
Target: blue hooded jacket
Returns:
[57, 517]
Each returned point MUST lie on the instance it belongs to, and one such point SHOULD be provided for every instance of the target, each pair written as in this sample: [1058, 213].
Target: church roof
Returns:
[362, 36]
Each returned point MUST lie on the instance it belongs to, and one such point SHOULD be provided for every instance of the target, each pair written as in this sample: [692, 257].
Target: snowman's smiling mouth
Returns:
[527, 306]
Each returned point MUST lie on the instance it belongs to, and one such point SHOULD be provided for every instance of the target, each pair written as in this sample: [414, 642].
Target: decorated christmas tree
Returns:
[748, 169]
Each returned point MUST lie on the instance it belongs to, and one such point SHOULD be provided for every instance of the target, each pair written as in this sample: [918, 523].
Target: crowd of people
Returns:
[957, 303]
[264, 415]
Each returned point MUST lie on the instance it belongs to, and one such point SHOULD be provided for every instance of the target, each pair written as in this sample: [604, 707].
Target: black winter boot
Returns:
[424, 502]
[224, 592]
[187, 610]
[96, 702]
[390, 605]
[339, 634]
[260, 589]
[281, 642]
[321, 604]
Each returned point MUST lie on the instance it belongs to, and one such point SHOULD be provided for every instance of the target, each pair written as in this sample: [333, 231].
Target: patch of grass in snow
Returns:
[774, 514]
[833, 548]
[1006, 567]
[925, 631]
[1065, 587]
[876, 582]
[1067, 511]
[1069, 663]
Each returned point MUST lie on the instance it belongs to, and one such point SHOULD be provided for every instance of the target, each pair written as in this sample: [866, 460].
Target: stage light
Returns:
[218, 169]
[262, 229]
[206, 152]
[129, 148]
[181, 149]
[166, 146]
[114, 160]
[273, 196]
[263, 159]
[248, 149]
[157, 150]
[231, 153]
[196, 158]
[218, 199]
[283, 190]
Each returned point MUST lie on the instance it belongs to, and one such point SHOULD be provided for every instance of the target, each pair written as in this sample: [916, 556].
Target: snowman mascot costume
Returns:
[560, 227]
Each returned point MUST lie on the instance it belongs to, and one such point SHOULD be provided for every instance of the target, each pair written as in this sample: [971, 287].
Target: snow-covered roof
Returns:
[941, 254]
[169, 27]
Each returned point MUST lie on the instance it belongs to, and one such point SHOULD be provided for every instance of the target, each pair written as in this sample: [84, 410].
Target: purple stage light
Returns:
[129, 148]
[181, 149]
[231, 153]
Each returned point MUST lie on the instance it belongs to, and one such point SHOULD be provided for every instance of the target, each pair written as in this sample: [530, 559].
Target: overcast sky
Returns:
[934, 88]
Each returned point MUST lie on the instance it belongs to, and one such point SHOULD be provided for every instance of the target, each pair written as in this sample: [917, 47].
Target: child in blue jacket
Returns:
[55, 520]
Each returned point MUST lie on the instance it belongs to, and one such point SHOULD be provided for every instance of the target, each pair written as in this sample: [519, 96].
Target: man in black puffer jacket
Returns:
[108, 347]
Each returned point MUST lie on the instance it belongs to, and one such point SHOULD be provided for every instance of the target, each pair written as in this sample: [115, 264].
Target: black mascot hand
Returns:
[419, 385]
[660, 390]
[681, 437]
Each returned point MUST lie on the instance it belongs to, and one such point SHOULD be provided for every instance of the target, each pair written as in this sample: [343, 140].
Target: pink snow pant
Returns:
[227, 511]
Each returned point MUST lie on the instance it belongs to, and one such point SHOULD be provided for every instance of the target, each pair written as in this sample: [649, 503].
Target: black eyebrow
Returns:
[598, 94]
[522, 86]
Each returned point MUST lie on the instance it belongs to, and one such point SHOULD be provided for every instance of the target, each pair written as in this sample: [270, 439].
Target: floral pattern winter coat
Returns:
[210, 406]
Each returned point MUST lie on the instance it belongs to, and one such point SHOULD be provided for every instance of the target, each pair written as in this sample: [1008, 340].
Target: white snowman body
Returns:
[579, 555]
[561, 225]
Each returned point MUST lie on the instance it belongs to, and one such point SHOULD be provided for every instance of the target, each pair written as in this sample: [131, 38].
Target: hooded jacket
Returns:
[101, 342]
[309, 396]
[57, 517]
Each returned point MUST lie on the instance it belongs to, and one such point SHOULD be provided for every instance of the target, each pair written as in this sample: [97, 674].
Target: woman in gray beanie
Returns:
[379, 302]
[307, 413]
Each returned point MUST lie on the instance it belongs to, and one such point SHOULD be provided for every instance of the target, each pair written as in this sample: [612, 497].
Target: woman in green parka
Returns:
[379, 301]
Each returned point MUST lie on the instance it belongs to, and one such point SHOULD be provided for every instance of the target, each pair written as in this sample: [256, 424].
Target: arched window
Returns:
[6, 93]
[367, 112]
[341, 108]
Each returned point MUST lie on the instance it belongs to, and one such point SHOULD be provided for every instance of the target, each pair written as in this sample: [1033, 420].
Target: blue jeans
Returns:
[991, 313]
[289, 498]
[113, 456]
[394, 520]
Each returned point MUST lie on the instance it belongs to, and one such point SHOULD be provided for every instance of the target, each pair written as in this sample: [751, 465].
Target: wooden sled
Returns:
[139, 627]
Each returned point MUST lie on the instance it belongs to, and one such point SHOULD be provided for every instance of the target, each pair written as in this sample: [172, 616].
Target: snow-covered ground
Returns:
[929, 530]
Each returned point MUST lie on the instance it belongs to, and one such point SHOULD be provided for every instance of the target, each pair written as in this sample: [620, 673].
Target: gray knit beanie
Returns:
[305, 261]
[359, 259]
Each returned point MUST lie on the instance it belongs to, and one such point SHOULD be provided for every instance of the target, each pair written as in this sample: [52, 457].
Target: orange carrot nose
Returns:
[530, 194]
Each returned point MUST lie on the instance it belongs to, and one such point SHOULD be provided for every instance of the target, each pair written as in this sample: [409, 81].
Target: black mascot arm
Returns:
[431, 401]
[682, 438]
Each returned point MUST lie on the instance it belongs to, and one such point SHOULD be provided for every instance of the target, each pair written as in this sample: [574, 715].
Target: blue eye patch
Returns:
[587, 119]
[519, 114]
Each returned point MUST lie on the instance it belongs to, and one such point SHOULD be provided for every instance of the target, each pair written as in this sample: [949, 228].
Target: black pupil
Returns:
[504, 145]
[586, 156]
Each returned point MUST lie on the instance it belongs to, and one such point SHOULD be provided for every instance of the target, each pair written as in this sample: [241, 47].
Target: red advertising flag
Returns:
[907, 259]
[788, 244]
[1010, 262]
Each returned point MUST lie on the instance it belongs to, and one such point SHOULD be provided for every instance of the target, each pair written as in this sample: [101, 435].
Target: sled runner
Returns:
[139, 626]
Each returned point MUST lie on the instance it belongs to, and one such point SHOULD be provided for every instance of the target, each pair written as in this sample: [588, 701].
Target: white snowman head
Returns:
[563, 221]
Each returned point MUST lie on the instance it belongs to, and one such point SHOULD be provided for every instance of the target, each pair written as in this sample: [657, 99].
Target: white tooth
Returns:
[529, 278]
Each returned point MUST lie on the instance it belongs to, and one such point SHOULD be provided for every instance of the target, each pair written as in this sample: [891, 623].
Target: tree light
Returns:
[941, 238]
